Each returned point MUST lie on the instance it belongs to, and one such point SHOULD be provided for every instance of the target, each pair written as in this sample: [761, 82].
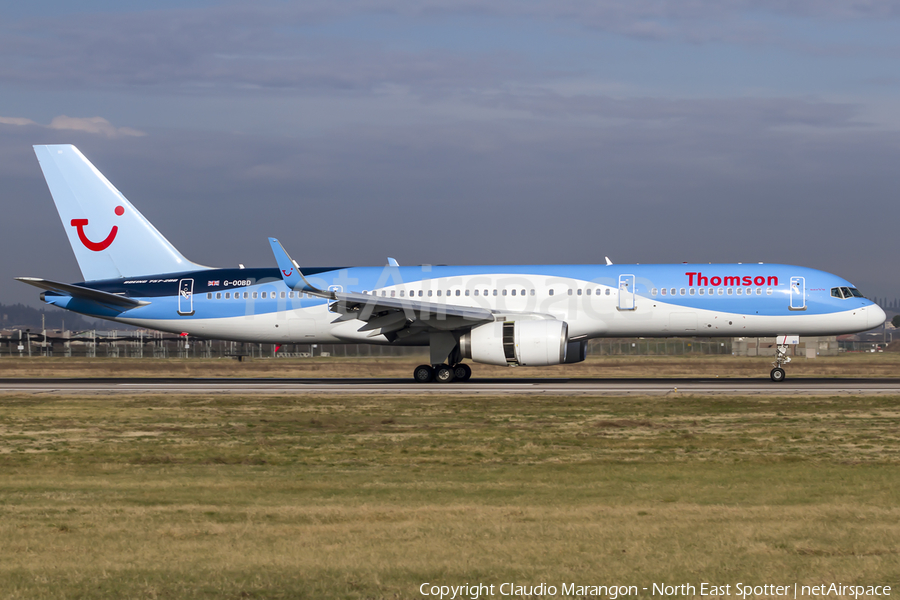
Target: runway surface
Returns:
[487, 387]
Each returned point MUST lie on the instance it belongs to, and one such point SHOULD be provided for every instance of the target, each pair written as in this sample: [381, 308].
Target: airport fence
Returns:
[151, 344]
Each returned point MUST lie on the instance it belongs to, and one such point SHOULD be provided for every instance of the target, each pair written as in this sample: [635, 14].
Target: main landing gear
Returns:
[781, 358]
[442, 373]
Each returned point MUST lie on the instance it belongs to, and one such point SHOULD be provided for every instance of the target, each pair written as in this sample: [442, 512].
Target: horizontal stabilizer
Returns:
[77, 291]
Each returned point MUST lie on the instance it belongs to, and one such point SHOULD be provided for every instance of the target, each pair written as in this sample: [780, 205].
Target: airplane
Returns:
[513, 315]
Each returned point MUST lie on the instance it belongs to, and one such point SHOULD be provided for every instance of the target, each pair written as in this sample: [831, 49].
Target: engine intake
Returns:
[517, 343]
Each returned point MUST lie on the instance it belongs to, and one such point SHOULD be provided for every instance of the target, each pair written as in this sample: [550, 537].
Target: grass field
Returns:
[844, 365]
[362, 497]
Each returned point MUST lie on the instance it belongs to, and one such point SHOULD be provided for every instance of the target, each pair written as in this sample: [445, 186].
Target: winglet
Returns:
[608, 262]
[290, 272]
[392, 262]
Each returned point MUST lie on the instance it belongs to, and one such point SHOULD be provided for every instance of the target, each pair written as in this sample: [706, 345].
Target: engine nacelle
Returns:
[517, 343]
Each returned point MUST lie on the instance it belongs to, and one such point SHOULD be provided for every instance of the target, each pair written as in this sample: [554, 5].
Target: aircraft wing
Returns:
[392, 317]
[77, 291]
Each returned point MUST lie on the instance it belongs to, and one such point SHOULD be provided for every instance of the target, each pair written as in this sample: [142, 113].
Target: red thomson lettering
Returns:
[697, 278]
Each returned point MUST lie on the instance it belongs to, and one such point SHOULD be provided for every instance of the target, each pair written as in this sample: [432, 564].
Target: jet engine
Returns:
[535, 343]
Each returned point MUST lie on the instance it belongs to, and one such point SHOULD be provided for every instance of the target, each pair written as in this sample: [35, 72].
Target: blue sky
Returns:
[465, 132]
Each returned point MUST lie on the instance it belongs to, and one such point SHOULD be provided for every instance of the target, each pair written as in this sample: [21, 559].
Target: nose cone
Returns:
[875, 316]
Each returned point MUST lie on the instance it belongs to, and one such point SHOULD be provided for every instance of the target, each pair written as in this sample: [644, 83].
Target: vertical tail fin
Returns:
[110, 237]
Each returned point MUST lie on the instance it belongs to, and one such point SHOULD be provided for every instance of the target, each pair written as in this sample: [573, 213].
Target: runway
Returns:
[475, 387]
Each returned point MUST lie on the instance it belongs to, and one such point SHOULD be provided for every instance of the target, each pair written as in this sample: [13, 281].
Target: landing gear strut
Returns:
[781, 358]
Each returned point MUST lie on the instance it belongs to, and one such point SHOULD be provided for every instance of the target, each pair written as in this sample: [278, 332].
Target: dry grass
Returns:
[359, 497]
[847, 365]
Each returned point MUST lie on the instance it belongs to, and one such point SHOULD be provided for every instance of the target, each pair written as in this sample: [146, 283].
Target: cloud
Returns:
[95, 125]
[278, 45]
[16, 121]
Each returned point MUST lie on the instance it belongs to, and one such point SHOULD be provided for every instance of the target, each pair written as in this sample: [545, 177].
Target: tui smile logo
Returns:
[288, 272]
[79, 224]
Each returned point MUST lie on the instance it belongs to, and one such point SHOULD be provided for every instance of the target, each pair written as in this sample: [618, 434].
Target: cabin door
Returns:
[186, 297]
[798, 293]
[626, 292]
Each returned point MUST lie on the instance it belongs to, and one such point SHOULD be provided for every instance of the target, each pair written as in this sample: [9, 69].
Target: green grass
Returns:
[368, 497]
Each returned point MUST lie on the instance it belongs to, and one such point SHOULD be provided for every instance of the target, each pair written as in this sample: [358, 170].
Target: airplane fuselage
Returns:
[255, 305]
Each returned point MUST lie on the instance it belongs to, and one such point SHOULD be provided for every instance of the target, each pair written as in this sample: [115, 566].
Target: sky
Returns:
[465, 132]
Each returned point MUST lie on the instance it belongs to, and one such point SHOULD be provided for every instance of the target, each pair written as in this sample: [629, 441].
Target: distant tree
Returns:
[896, 321]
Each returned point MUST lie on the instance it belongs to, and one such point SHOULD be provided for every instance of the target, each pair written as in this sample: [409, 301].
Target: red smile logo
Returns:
[288, 273]
[97, 246]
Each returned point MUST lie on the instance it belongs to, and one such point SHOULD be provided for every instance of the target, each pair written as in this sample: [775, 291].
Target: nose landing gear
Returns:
[781, 358]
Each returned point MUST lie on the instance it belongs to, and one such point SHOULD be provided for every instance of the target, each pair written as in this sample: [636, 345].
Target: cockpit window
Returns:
[846, 292]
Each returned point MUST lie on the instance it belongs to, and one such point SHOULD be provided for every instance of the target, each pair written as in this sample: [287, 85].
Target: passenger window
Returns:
[701, 290]
[607, 291]
[551, 292]
[439, 292]
[514, 292]
[504, 292]
[663, 291]
[720, 291]
[579, 291]
[476, 292]
[420, 293]
[768, 291]
[739, 291]
[681, 291]
[246, 295]
[383, 293]
[282, 294]
[218, 295]
[402, 293]
[523, 292]
[672, 291]
[429, 293]
[209, 295]
[692, 291]
[569, 291]
[457, 293]
[532, 292]
[467, 292]
[653, 291]
[228, 295]
[759, 291]
[495, 292]
[730, 291]
[588, 291]
[254, 295]
[393, 293]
